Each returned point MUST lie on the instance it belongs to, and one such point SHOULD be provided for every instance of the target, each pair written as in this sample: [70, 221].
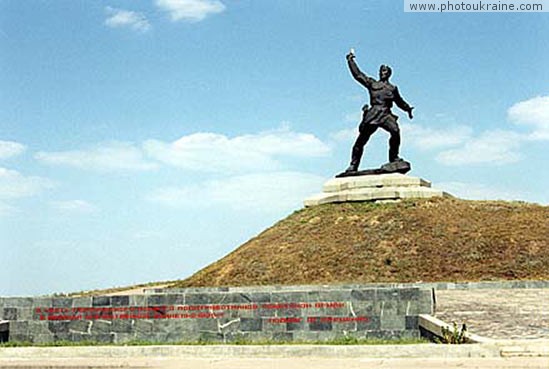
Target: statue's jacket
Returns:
[382, 96]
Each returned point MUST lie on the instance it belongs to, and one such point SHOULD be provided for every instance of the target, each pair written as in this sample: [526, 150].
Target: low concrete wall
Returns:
[424, 350]
[434, 328]
[262, 314]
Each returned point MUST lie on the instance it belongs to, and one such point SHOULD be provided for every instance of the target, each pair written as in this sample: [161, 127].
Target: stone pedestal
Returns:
[382, 187]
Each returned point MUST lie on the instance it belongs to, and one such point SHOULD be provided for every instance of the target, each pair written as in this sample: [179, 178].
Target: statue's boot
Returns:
[351, 168]
[355, 160]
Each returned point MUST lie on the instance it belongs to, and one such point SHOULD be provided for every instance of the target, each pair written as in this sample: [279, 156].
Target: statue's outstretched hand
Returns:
[350, 56]
[410, 113]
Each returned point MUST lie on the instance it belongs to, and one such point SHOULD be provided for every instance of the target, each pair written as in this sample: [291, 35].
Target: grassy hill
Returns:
[415, 240]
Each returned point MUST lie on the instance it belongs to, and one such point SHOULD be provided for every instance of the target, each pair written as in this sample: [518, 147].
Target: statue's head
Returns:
[385, 72]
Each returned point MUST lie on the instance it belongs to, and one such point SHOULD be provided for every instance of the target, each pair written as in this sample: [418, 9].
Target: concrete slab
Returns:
[380, 180]
[252, 351]
[495, 349]
[381, 187]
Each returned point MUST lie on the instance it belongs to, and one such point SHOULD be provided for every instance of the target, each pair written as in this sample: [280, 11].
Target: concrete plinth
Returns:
[381, 187]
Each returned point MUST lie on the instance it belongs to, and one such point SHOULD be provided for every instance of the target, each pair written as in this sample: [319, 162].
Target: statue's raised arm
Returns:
[362, 78]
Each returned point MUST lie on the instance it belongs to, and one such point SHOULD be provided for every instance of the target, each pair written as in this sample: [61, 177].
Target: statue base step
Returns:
[381, 187]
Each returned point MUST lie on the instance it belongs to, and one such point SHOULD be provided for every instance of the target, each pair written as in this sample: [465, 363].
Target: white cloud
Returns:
[476, 191]
[494, 147]
[74, 206]
[345, 135]
[533, 113]
[14, 185]
[418, 136]
[353, 117]
[104, 157]
[427, 138]
[10, 148]
[145, 234]
[190, 10]
[263, 192]
[6, 209]
[126, 18]
[212, 152]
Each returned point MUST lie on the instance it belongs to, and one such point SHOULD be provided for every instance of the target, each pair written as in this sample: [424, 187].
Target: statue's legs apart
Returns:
[391, 126]
[366, 130]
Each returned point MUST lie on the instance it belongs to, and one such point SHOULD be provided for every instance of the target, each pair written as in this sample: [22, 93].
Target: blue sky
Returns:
[142, 140]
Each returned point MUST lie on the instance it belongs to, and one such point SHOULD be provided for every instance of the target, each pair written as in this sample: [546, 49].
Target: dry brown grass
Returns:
[416, 240]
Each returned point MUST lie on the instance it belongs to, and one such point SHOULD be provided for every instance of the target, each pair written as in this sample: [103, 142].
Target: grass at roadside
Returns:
[338, 341]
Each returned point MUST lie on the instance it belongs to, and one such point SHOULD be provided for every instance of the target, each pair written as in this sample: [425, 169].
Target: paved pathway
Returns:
[287, 363]
[497, 313]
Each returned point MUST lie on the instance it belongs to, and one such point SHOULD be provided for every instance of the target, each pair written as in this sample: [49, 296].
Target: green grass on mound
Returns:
[427, 240]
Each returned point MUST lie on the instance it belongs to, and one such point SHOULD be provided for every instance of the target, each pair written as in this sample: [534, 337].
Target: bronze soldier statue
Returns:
[378, 115]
